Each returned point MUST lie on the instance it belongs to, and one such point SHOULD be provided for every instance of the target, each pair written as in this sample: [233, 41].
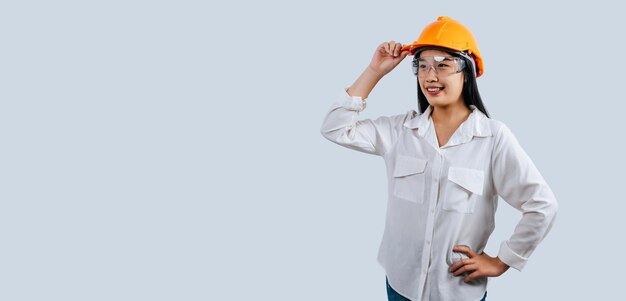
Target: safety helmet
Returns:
[449, 33]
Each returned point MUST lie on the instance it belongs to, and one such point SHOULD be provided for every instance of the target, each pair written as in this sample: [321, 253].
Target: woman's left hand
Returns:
[476, 265]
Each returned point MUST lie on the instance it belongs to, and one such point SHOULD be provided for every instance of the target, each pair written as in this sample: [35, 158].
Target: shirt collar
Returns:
[421, 122]
[477, 124]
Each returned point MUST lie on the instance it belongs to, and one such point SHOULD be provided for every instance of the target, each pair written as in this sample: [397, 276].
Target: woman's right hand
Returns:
[387, 56]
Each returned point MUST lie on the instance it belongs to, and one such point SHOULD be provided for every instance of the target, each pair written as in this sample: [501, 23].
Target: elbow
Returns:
[326, 128]
[549, 210]
[551, 205]
[332, 131]
[544, 207]
[553, 209]
[325, 132]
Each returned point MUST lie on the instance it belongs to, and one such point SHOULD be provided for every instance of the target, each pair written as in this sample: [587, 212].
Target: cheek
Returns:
[457, 86]
[420, 83]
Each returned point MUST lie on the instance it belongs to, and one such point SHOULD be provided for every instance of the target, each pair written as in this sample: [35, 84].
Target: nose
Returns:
[431, 76]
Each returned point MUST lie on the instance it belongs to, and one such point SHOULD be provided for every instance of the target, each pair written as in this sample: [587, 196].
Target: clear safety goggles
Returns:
[442, 65]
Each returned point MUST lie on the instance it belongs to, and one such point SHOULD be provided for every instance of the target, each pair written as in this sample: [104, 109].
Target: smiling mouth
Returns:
[434, 89]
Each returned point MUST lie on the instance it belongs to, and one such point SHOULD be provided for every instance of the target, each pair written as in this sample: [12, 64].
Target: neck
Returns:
[450, 115]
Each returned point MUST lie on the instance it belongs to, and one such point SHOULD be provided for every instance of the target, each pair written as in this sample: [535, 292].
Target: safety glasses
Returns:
[442, 65]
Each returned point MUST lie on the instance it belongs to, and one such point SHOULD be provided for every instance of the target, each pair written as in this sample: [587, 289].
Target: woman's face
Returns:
[441, 88]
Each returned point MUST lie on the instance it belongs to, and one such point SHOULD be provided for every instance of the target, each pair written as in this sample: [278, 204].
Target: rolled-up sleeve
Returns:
[520, 184]
[343, 126]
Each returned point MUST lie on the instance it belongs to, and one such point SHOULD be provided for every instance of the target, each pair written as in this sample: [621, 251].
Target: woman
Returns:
[446, 167]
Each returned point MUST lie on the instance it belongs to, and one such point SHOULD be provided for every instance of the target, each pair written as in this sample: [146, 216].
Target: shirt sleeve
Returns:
[343, 126]
[520, 184]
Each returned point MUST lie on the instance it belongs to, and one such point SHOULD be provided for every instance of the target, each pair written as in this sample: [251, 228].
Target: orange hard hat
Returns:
[449, 33]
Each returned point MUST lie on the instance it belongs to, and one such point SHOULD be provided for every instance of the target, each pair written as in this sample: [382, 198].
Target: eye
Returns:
[423, 66]
[443, 66]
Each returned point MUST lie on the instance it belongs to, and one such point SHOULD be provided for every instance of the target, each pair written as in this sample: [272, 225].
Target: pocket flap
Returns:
[470, 179]
[406, 165]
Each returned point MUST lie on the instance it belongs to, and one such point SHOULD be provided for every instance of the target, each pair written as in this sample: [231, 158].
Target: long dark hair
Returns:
[471, 96]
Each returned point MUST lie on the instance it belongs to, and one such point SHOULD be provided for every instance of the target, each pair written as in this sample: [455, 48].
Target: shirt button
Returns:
[432, 211]
[428, 242]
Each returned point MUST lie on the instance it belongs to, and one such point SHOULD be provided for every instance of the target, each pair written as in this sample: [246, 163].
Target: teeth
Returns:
[434, 89]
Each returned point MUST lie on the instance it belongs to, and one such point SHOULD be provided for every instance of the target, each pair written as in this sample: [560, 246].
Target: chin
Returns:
[439, 102]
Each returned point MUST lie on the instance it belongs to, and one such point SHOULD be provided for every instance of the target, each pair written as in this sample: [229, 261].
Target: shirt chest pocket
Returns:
[409, 178]
[463, 188]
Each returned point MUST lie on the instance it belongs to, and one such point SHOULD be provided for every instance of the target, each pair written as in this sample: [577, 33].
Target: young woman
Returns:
[446, 167]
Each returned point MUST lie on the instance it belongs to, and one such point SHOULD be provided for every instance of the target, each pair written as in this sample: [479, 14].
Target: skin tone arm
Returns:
[386, 57]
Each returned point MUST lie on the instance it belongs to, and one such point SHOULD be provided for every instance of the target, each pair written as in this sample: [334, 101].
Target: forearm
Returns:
[364, 85]
[536, 222]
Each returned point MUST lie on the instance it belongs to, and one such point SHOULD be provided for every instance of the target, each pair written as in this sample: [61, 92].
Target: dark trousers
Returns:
[392, 295]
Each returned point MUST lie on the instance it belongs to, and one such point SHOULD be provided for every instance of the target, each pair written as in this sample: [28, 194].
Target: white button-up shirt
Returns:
[439, 197]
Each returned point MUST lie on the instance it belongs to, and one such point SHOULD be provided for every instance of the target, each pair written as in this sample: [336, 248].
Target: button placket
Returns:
[428, 236]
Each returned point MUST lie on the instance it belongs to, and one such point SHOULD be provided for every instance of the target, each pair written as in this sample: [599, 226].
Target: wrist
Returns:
[372, 73]
[503, 266]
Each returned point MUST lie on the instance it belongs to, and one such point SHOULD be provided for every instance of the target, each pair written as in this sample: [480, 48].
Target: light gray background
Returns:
[170, 150]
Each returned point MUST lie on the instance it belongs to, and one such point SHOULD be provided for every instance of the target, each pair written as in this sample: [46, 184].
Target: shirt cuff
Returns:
[352, 103]
[511, 258]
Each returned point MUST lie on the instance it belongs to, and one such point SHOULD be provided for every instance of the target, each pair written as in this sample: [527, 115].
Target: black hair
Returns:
[471, 96]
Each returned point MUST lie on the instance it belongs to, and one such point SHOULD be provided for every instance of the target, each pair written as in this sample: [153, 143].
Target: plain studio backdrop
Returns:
[170, 150]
